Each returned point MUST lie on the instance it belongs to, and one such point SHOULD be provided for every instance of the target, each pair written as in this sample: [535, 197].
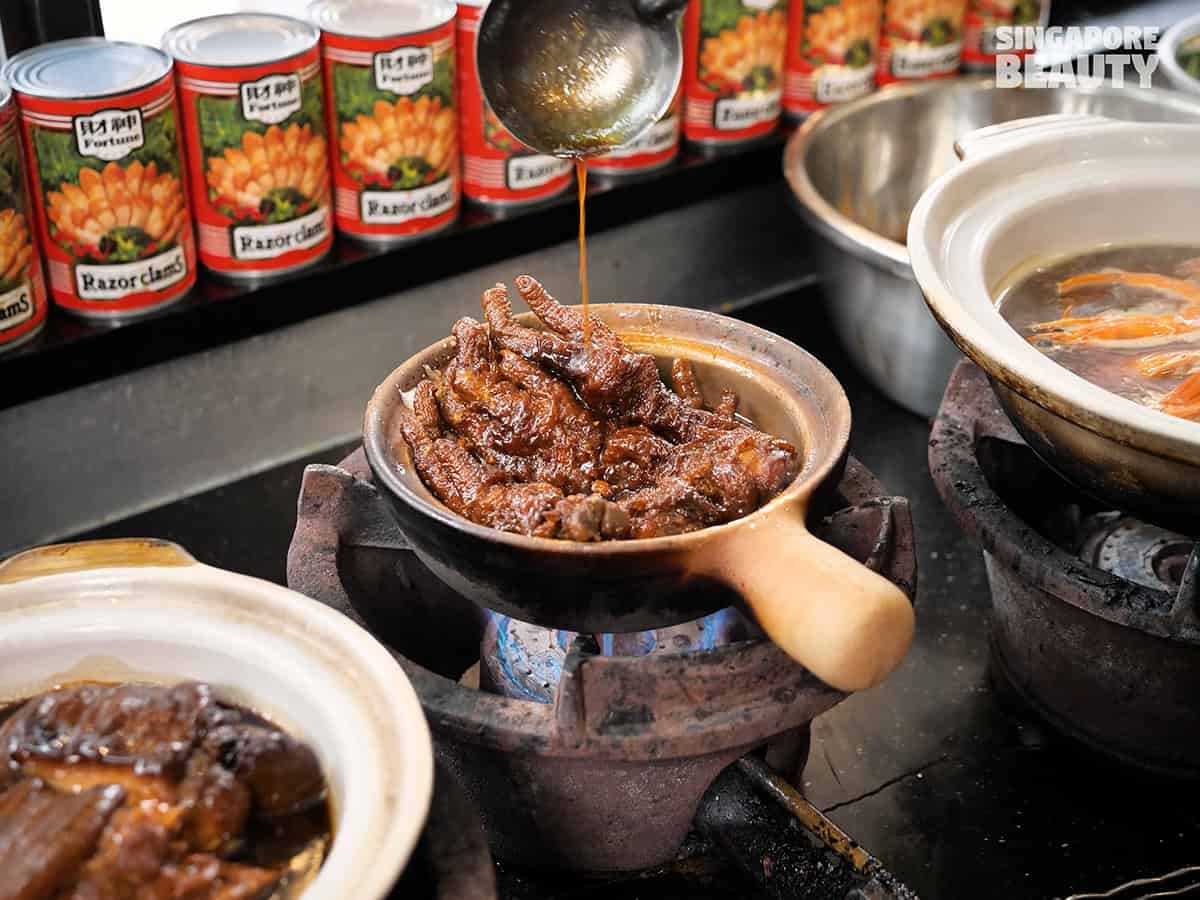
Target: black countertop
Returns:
[961, 794]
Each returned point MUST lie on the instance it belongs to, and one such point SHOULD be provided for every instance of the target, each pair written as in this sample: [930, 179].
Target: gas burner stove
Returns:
[1096, 615]
[608, 754]
[526, 661]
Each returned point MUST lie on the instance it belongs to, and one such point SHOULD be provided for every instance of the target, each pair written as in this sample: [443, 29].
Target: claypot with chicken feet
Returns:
[848, 625]
[117, 214]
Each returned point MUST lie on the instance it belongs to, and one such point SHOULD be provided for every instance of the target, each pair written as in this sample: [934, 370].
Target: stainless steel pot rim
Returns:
[1169, 46]
[813, 471]
[1005, 356]
[841, 229]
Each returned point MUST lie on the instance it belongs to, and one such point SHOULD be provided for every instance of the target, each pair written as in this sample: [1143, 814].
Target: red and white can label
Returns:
[832, 46]
[655, 148]
[984, 16]
[22, 285]
[920, 39]
[497, 168]
[392, 111]
[733, 56]
[112, 206]
[259, 163]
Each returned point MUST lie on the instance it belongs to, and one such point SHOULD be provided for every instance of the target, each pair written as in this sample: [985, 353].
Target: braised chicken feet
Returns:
[545, 434]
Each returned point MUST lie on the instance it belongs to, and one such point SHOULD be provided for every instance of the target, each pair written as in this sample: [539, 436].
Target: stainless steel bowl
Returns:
[857, 171]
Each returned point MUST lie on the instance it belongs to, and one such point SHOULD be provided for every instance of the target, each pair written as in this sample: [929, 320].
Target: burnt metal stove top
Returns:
[603, 753]
[1096, 622]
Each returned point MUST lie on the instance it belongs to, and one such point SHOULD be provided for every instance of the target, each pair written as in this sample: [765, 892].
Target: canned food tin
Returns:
[253, 105]
[498, 170]
[100, 131]
[920, 39]
[22, 288]
[832, 46]
[653, 150]
[733, 53]
[389, 74]
[984, 16]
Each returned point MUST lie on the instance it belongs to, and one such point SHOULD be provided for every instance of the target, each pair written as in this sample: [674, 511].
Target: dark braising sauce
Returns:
[1125, 318]
[581, 178]
[218, 802]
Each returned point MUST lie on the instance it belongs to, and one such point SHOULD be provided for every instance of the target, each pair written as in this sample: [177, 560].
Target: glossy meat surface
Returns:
[545, 434]
[140, 792]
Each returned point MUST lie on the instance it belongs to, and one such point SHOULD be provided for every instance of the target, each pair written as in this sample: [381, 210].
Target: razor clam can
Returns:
[253, 106]
[733, 56]
[22, 285]
[985, 16]
[100, 129]
[498, 170]
[832, 45]
[389, 77]
[653, 150]
[920, 39]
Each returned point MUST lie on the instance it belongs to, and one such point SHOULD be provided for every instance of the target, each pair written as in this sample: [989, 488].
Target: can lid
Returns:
[85, 67]
[239, 39]
[379, 18]
[5, 93]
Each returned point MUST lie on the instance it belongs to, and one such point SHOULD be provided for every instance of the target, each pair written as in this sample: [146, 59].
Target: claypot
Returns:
[1041, 189]
[144, 610]
[848, 625]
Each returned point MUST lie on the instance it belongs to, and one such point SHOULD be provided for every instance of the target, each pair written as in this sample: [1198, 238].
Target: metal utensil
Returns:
[576, 79]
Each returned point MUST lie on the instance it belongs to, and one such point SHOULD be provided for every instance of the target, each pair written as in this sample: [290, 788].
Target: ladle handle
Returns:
[846, 624]
[659, 9]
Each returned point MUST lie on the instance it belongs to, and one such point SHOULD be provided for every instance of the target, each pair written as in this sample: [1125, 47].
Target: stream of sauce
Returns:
[581, 178]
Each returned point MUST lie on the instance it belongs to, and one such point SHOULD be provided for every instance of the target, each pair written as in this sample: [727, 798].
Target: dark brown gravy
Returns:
[293, 844]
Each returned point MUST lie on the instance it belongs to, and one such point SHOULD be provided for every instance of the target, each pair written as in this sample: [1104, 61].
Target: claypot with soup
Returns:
[1062, 256]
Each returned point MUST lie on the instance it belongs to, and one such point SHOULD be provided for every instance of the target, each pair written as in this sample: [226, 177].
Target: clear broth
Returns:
[1034, 298]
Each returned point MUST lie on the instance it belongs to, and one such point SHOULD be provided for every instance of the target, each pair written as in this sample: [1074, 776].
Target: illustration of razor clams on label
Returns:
[100, 129]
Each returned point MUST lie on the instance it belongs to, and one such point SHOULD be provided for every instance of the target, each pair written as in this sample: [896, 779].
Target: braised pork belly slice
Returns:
[150, 729]
[139, 792]
[46, 836]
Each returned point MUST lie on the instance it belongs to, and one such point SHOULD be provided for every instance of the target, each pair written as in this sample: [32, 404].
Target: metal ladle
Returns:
[578, 77]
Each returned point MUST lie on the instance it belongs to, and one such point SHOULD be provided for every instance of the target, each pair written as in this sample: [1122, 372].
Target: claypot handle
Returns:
[846, 624]
[55, 559]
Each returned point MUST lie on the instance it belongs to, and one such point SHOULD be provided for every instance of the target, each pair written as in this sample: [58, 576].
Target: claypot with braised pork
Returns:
[170, 730]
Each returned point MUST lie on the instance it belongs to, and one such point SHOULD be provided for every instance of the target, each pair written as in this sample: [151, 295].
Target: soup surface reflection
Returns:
[1125, 318]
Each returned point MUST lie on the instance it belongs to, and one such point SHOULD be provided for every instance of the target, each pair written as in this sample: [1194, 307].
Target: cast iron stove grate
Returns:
[658, 773]
[1096, 615]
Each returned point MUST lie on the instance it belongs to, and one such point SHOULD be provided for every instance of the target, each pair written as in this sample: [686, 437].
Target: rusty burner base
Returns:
[1095, 620]
[608, 775]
